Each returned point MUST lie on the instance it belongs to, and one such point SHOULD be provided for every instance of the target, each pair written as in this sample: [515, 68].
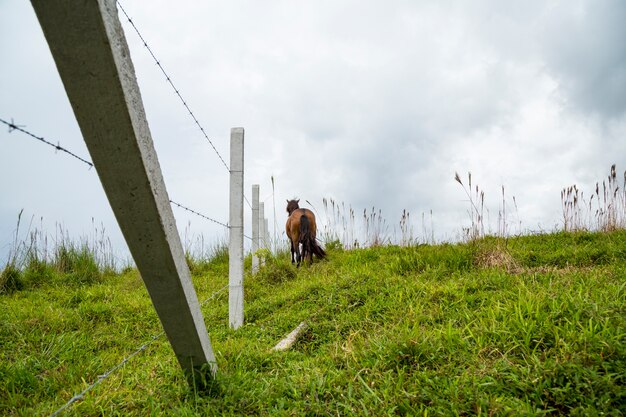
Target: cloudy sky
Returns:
[369, 103]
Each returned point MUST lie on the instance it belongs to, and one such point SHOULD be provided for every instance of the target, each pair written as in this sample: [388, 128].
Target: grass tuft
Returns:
[493, 253]
[11, 279]
[275, 269]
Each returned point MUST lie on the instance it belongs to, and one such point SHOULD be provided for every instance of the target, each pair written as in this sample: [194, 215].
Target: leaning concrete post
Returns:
[255, 227]
[90, 51]
[235, 247]
[262, 242]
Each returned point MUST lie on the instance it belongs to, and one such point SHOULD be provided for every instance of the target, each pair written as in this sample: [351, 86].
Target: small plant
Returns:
[406, 230]
[11, 275]
[611, 212]
[264, 255]
[274, 269]
[376, 229]
[428, 232]
[334, 245]
[572, 203]
[476, 210]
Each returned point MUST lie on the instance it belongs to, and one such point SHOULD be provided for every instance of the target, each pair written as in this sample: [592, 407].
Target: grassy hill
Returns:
[533, 325]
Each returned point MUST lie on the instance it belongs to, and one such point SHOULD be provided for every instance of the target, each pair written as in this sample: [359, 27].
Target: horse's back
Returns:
[293, 222]
[304, 212]
[311, 217]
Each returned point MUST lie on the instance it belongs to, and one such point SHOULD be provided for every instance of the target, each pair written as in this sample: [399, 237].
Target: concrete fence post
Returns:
[91, 54]
[235, 246]
[268, 242]
[262, 241]
[255, 227]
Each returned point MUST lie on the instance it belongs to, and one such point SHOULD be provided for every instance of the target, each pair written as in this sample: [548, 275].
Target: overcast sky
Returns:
[369, 103]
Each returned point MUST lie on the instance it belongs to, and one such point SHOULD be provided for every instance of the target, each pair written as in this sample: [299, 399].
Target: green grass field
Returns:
[533, 325]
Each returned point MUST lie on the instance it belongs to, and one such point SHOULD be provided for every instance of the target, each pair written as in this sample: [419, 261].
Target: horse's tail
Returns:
[309, 244]
[305, 235]
[317, 250]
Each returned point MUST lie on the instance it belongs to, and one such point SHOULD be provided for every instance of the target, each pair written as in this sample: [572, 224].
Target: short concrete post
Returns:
[255, 227]
[235, 247]
[268, 243]
[262, 241]
[90, 51]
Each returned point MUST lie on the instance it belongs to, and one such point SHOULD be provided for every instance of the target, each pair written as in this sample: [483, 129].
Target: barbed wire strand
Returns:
[13, 126]
[169, 81]
[105, 375]
[199, 214]
[205, 217]
[58, 147]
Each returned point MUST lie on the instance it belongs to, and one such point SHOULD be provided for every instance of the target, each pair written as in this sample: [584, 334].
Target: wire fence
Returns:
[77, 397]
[81, 395]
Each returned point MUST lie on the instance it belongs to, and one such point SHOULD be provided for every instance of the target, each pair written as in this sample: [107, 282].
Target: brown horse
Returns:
[301, 230]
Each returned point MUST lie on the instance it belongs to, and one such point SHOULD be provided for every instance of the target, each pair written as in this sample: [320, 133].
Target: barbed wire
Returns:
[176, 91]
[13, 126]
[105, 375]
[199, 214]
[169, 81]
[58, 147]
[205, 217]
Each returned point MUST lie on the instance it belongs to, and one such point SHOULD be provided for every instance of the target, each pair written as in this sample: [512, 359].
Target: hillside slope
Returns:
[532, 325]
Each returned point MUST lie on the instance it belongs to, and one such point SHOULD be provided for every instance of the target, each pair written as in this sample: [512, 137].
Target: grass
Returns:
[532, 325]
[339, 223]
[38, 259]
[605, 210]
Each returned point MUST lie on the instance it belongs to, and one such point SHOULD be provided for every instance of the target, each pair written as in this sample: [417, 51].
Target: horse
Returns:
[301, 230]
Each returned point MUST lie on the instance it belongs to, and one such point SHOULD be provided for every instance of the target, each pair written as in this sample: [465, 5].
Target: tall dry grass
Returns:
[476, 212]
[604, 211]
[340, 223]
[479, 215]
